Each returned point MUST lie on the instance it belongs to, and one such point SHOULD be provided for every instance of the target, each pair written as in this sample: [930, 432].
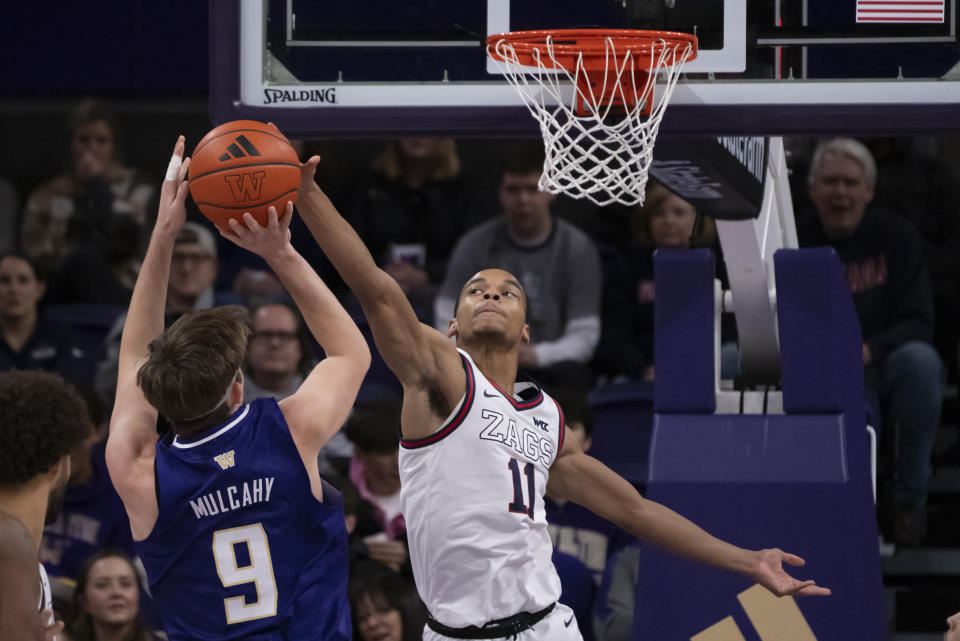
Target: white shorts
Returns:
[559, 625]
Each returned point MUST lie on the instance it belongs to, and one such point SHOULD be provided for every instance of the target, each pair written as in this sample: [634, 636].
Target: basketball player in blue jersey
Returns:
[476, 450]
[240, 536]
[42, 420]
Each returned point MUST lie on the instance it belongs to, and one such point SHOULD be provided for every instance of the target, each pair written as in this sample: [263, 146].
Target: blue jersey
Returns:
[241, 547]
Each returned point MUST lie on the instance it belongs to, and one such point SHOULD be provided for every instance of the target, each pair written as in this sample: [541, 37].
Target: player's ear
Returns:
[236, 391]
[452, 330]
[60, 468]
[525, 333]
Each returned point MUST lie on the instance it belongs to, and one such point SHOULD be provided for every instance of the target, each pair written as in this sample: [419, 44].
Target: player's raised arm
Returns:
[130, 446]
[585, 480]
[419, 355]
[321, 404]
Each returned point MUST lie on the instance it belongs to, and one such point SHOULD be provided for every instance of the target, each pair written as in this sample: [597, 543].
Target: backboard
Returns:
[377, 68]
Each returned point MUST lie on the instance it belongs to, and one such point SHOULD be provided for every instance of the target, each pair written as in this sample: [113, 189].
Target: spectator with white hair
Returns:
[886, 270]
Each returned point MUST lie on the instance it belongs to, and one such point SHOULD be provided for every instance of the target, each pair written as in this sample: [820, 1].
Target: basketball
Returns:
[243, 166]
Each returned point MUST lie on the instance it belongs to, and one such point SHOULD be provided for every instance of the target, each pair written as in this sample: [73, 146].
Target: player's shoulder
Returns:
[15, 539]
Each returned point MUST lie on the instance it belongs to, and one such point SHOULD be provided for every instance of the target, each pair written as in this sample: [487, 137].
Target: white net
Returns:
[597, 151]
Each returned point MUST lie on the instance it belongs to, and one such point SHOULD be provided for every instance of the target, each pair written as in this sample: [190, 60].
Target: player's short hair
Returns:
[375, 426]
[576, 407]
[192, 364]
[42, 419]
[844, 147]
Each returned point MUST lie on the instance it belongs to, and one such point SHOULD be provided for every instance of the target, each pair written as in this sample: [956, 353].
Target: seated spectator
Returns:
[27, 340]
[193, 270]
[574, 529]
[279, 353]
[95, 213]
[92, 516]
[374, 430]
[384, 605]
[616, 597]
[558, 267]
[626, 340]
[886, 269]
[413, 206]
[924, 190]
[106, 602]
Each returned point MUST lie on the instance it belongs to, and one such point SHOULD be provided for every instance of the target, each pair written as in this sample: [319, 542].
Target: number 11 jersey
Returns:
[242, 549]
[472, 498]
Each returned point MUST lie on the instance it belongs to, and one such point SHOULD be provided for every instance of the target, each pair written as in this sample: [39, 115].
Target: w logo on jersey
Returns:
[246, 186]
[540, 423]
[225, 460]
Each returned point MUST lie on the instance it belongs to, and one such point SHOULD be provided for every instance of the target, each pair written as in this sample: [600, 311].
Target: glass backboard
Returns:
[375, 68]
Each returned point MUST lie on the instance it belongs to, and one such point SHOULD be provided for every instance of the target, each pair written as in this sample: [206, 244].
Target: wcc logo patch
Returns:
[246, 187]
[225, 460]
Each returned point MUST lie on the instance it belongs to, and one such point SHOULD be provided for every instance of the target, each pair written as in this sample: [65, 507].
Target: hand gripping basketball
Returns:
[243, 166]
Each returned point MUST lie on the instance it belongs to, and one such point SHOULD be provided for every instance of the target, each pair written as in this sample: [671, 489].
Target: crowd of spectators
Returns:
[590, 310]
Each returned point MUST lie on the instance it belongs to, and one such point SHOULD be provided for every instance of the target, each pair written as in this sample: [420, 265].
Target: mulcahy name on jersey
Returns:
[520, 438]
[233, 497]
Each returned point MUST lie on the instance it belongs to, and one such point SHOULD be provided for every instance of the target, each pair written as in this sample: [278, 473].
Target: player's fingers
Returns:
[182, 190]
[272, 223]
[250, 221]
[813, 590]
[311, 163]
[793, 559]
[287, 215]
[176, 161]
[184, 168]
[236, 227]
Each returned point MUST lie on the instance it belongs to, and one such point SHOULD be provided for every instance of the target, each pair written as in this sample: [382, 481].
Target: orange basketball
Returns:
[243, 166]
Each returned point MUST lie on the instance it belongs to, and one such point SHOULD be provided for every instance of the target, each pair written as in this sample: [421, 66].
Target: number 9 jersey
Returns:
[241, 548]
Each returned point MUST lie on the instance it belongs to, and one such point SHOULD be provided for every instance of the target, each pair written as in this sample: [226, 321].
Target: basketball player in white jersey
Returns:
[477, 448]
[42, 420]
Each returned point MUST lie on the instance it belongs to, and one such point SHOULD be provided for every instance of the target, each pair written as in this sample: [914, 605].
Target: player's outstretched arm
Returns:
[585, 480]
[419, 355]
[133, 436]
[321, 404]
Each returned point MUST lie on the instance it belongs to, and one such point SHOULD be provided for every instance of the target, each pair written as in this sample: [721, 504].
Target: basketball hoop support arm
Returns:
[748, 249]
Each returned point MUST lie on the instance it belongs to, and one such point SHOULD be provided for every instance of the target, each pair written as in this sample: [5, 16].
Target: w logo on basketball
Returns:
[225, 460]
[246, 186]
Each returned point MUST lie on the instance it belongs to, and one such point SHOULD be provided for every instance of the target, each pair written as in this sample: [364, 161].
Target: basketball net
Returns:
[598, 144]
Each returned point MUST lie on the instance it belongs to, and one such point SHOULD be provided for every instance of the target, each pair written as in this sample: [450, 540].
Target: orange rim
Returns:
[591, 43]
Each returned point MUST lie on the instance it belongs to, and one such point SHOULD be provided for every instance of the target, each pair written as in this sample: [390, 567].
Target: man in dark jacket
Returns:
[886, 269]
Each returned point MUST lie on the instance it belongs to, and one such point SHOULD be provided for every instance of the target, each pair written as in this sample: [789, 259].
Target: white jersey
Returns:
[46, 596]
[472, 497]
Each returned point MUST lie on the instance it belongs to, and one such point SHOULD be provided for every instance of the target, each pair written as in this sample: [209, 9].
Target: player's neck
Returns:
[499, 366]
[28, 504]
